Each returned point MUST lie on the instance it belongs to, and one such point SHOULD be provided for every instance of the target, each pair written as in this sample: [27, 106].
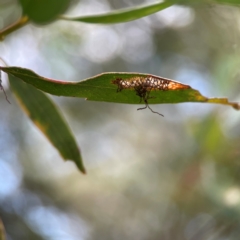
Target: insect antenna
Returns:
[2, 88]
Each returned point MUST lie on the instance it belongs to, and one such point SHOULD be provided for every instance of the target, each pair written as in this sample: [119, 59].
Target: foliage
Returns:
[192, 167]
[97, 88]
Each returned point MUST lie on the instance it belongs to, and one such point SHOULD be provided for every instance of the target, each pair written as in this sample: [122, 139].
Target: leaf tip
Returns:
[80, 166]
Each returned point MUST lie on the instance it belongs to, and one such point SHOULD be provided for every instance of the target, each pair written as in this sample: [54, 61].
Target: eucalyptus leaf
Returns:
[45, 115]
[123, 15]
[102, 88]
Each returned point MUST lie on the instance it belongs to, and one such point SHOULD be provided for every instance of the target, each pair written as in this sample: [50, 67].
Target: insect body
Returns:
[143, 85]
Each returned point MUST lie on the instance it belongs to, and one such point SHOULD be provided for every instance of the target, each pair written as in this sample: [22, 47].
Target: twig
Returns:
[2, 88]
[20, 23]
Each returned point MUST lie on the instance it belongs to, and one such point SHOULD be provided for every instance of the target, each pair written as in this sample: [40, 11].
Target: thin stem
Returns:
[20, 23]
[2, 88]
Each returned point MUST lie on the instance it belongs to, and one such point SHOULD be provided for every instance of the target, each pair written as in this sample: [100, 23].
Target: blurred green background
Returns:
[171, 178]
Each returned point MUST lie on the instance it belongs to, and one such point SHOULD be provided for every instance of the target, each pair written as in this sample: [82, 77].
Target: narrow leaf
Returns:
[105, 88]
[124, 15]
[46, 117]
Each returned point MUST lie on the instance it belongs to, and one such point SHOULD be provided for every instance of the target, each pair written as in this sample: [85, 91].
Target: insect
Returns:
[144, 95]
[2, 88]
[145, 84]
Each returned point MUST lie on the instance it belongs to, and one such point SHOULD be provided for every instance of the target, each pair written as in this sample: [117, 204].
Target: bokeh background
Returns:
[149, 177]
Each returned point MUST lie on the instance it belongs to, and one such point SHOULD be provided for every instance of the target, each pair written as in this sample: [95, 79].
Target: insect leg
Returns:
[143, 107]
[145, 98]
[155, 112]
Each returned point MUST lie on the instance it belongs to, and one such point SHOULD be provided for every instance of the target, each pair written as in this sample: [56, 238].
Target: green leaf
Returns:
[46, 117]
[124, 15]
[43, 11]
[102, 88]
